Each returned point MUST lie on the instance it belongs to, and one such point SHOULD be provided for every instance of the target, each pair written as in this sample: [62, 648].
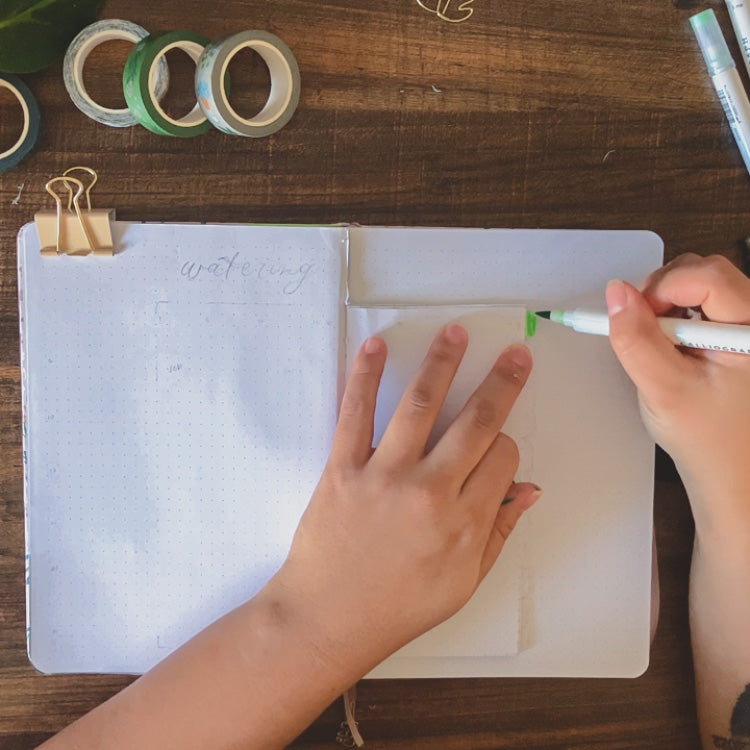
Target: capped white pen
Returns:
[725, 78]
[739, 11]
[690, 332]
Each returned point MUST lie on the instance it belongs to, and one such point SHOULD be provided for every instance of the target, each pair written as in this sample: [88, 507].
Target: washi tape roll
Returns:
[108, 30]
[139, 78]
[285, 84]
[31, 122]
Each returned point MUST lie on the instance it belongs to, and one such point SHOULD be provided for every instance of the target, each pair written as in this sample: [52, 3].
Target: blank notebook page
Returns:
[179, 405]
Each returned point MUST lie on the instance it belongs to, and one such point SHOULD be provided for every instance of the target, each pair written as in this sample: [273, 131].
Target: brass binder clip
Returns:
[71, 230]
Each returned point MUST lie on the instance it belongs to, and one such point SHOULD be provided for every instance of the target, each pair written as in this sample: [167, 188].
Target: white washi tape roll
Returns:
[111, 29]
[285, 84]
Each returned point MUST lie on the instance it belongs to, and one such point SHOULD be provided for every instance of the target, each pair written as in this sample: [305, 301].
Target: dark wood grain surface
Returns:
[530, 114]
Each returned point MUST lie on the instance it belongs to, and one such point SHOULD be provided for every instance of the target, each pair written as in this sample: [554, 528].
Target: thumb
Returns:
[650, 359]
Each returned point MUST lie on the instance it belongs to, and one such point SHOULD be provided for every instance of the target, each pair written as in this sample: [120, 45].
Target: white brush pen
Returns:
[739, 12]
[695, 334]
[725, 78]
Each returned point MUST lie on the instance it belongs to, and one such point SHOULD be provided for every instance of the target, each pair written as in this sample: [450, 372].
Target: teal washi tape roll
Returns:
[139, 78]
[285, 84]
[80, 48]
[32, 121]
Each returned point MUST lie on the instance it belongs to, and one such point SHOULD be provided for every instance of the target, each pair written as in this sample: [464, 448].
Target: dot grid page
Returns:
[180, 400]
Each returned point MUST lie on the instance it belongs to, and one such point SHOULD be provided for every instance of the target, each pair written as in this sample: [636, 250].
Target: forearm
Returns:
[253, 679]
[720, 632]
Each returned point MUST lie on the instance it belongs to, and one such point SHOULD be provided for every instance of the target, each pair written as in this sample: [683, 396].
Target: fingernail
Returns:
[455, 334]
[536, 487]
[373, 345]
[617, 296]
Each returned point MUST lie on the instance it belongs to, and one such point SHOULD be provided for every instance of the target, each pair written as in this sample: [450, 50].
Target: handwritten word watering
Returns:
[225, 268]
[449, 10]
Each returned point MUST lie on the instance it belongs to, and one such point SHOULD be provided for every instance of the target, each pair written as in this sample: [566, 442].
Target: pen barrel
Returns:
[689, 332]
[701, 334]
[736, 107]
[587, 321]
[740, 15]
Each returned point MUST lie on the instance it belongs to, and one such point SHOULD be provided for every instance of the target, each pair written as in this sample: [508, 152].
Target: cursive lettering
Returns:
[448, 10]
[226, 268]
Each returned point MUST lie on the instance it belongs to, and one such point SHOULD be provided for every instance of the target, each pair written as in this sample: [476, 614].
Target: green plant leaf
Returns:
[35, 33]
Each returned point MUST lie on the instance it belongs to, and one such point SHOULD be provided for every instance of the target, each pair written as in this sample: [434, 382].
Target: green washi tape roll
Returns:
[211, 77]
[32, 119]
[139, 80]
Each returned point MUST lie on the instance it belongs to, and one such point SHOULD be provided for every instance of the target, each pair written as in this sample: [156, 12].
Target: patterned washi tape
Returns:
[80, 48]
[285, 84]
[31, 122]
[138, 84]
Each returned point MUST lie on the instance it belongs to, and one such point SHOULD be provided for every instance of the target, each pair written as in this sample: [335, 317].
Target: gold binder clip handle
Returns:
[60, 245]
[94, 177]
[72, 231]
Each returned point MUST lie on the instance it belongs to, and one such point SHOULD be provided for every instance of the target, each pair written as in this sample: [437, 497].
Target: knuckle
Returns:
[419, 398]
[718, 266]
[441, 353]
[354, 405]
[433, 488]
[427, 499]
[484, 414]
[718, 261]
[339, 473]
[438, 484]
[686, 259]
[441, 482]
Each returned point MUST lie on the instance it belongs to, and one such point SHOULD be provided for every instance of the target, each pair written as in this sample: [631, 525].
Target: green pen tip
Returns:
[544, 313]
[530, 324]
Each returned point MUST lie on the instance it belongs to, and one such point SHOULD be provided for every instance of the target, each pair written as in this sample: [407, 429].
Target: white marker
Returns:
[695, 334]
[740, 14]
[725, 78]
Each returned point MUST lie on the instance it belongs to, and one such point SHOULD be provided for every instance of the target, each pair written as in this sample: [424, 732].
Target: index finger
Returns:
[353, 437]
[478, 424]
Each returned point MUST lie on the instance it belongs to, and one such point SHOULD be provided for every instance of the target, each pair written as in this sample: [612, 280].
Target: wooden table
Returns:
[548, 114]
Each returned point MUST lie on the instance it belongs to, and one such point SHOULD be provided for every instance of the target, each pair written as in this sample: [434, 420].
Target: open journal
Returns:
[179, 403]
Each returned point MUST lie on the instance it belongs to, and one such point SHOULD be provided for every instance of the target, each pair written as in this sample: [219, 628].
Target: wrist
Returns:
[307, 622]
[720, 507]
[723, 534]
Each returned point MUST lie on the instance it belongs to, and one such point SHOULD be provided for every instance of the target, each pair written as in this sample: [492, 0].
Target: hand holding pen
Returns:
[695, 404]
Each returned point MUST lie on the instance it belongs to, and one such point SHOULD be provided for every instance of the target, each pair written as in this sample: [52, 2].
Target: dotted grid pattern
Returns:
[181, 398]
